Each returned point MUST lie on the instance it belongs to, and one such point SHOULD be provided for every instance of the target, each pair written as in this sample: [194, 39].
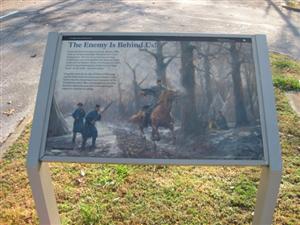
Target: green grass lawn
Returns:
[122, 194]
[286, 73]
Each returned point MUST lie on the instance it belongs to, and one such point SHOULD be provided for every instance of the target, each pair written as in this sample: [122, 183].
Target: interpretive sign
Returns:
[151, 97]
[140, 98]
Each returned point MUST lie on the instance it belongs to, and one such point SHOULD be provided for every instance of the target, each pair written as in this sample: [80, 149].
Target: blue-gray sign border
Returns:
[48, 78]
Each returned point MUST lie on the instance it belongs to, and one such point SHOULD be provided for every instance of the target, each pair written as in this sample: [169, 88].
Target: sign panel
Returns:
[160, 99]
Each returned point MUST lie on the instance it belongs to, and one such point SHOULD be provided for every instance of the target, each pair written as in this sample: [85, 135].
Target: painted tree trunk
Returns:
[251, 91]
[57, 124]
[190, 123]
[136, 93]
[160, 64]
[208, 87]
[121, 108]
[240, 110]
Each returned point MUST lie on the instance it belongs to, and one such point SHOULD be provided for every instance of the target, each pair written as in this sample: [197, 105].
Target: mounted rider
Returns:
[154, 92]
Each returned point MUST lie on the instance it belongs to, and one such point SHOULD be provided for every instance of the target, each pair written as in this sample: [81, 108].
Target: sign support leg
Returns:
[266, 197]
[43, 194]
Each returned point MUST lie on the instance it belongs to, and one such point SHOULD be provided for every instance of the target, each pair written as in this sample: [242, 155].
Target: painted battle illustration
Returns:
[156, 99]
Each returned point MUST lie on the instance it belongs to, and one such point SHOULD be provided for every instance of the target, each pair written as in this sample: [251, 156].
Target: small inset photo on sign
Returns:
[172, 98]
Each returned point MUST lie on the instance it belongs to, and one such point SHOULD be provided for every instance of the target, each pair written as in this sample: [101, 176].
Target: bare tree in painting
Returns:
[251, 91]
[135, 86]
[206, 53]
[190, 123]
[121, 108]
[235, 51]
[161, 61]
[57, 124]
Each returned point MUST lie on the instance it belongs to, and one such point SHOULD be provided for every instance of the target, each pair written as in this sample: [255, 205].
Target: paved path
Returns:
[294, 99]
[23, 34]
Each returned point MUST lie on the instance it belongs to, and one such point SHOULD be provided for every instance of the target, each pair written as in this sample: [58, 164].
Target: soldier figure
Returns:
[221, 121]
[78, 116]
[154, 92]
[90, 130]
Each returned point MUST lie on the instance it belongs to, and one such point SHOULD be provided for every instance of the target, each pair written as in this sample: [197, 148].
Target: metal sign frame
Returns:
[37, 166]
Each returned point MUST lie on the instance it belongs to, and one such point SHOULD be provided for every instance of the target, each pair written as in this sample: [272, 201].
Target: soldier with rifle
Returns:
[78, 116]
[89, 129]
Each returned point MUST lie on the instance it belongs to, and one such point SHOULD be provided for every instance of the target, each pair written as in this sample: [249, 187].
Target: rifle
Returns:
[106, 107]
[143, 80]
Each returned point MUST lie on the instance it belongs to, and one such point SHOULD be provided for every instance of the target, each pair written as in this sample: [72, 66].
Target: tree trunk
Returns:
[161, 61]
[240, 110]
[208, 87]
[251, 90]
[57, 124]
[160, 64]
[189, 114]
[121, 109]
[136, 93]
